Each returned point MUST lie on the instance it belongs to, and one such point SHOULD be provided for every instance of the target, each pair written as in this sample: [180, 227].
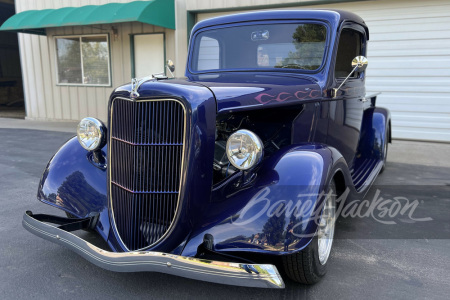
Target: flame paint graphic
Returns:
[265, 98]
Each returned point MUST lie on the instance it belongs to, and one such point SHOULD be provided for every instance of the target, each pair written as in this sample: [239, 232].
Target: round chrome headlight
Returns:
[244, 149]
[91, 134]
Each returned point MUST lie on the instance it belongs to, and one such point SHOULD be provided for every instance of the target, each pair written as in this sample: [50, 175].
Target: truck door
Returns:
[346, 110]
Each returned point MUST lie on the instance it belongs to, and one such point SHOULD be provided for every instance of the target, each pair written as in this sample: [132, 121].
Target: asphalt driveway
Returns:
[369, 260]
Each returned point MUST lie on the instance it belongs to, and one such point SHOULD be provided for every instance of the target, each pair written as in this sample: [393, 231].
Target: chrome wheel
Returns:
[326, 227]
[310, 264]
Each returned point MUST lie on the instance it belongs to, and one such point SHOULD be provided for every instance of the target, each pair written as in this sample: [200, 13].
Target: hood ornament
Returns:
[135, 84]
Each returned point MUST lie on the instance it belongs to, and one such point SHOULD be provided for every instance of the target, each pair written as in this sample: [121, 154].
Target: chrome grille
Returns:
[145, 163]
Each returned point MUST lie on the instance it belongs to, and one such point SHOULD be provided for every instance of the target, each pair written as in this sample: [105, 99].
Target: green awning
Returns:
[155, 12]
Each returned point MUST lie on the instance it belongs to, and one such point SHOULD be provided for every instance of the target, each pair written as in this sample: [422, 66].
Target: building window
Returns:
[83, 60]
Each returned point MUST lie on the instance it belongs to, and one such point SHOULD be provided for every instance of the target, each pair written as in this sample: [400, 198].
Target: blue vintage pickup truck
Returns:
[235, 170]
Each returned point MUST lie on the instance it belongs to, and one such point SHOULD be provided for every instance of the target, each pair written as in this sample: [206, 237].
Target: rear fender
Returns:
[373, 135]
[289, 187]
[382, 118]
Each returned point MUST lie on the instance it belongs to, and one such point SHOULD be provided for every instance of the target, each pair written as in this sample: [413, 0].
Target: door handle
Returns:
[364, 99]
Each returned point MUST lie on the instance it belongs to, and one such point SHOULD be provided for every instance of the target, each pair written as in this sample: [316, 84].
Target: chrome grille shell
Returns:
[145, 162]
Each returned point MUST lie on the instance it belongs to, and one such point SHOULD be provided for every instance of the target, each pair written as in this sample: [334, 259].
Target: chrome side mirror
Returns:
[170, 66]
[359, 64]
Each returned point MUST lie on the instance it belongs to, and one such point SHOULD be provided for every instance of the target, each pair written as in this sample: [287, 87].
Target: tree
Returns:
[309, 42]
[95, 62]
[69, 60]
[274, 227]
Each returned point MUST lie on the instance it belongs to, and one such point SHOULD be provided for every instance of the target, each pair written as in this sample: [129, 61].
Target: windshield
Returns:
[291, 46]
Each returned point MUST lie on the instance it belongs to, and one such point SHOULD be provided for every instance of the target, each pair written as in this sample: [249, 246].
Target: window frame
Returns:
[358, 28]
[80, 36]
[325, 23]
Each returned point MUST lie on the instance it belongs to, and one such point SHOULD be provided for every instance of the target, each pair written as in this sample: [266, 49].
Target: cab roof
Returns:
[335, 17]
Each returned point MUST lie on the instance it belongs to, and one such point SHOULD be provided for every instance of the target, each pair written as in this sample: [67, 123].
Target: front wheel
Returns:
[310, 265]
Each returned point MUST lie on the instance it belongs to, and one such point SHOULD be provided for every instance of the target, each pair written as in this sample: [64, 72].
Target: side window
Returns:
[350, 45]
[208, 55]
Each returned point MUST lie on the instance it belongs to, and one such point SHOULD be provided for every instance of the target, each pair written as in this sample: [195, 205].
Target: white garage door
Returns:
[409, 62]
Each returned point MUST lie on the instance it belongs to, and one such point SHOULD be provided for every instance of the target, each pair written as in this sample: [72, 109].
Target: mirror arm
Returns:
[168, 69]
[335, 90]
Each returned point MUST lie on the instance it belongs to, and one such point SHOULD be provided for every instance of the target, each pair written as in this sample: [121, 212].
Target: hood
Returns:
[236, 91]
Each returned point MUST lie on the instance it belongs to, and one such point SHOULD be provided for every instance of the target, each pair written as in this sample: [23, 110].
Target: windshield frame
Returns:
[192, 51]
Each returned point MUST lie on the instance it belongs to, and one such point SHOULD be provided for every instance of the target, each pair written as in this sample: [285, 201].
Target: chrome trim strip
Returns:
[249, 275]
[181, 170]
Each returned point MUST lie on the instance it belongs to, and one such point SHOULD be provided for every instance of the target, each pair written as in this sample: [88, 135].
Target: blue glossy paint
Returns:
[72, 183]
[235, 218]
[250, 90]
[328, 136]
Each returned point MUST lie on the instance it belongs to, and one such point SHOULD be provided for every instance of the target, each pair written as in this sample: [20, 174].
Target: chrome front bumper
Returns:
[249, 275]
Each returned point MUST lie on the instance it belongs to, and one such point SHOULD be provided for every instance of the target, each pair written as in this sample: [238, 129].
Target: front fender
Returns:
[73, 183]
[290, 187]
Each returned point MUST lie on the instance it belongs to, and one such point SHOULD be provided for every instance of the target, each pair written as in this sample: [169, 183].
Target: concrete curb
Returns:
[60, 126]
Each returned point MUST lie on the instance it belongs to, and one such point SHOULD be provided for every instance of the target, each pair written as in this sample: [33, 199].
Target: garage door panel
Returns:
[424, 134]
[410, 26]
[425, 125]
[406, 45]
[425, 109]
[412, 100]
[432, 82]
[411, 63]
[419, 36]
[390, 72]
[383, 12]
[425, 122]
[412, 52]
[381, 25]
[428, 90]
